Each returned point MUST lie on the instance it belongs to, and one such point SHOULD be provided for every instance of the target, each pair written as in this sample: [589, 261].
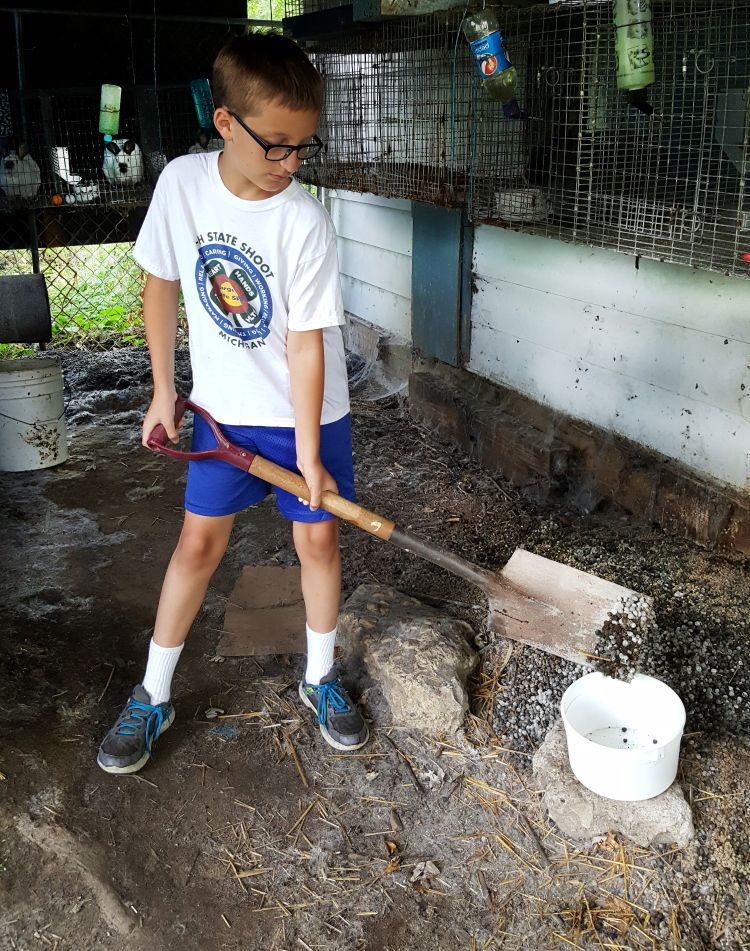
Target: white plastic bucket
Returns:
[32, 415]
[623, 738]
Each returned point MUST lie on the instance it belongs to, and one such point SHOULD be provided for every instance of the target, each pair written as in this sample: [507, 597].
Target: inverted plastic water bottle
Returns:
[634, 44]
[109, 110]
[203, 102]
[488, 46]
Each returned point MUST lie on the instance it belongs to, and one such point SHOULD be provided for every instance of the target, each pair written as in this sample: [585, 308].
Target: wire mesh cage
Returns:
[71, 204]
[62, 159]
[397, 119]
[405, 118]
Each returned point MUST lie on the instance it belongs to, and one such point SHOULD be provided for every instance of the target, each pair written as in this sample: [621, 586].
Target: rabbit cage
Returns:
[64, 190]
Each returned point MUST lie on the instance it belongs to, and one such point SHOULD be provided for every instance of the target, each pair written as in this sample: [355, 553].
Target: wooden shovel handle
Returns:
[342, 508]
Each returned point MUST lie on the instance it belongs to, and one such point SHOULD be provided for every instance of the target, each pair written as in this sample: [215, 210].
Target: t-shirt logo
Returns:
[233, 291]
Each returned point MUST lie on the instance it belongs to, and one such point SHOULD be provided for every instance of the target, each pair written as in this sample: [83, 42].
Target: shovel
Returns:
[534, 600]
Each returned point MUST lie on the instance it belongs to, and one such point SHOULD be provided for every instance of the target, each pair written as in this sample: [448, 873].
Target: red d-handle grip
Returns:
[225, 450]
[157, 440]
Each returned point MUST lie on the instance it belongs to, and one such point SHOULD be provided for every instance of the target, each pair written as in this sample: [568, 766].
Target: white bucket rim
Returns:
[23, 364]
[621, 752]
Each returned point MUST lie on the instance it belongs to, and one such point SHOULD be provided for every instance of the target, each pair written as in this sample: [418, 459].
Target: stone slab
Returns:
[584, 817]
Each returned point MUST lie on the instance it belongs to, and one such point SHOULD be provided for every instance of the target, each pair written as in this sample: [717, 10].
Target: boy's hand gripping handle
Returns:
[268, 471]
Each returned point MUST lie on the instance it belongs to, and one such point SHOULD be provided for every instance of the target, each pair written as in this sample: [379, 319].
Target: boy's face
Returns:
[245, 168]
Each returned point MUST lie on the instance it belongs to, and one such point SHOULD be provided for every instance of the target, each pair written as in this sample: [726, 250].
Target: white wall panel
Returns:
[374, 244]
[658, 353]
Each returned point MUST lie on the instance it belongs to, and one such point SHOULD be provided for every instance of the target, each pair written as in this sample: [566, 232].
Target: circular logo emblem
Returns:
[233, 291]
[489, 65]
[232, 297]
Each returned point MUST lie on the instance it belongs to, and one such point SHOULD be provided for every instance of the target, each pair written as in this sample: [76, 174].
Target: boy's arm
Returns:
[307, 372]
[160, 301]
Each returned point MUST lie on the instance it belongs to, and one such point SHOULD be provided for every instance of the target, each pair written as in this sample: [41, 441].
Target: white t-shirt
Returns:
[250, 271]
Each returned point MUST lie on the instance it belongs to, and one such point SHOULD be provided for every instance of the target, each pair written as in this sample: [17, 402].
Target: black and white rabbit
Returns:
[20, 176]
[123, 162]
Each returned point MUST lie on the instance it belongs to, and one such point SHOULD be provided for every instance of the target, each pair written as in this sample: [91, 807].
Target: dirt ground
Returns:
[249, 832]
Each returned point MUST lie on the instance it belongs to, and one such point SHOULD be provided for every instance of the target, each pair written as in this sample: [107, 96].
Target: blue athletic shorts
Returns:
[217, 488]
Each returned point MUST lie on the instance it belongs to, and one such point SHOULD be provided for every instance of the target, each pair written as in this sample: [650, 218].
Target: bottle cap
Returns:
[511, 110]
[638, 98]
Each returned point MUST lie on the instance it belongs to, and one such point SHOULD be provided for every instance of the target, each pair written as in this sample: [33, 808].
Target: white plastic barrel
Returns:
[623, 738]
[32, 414]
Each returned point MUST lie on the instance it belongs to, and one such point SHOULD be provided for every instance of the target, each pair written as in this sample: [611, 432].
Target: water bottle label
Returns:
[490, 55]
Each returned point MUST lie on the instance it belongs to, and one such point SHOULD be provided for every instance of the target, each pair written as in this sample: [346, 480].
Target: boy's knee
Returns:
[199, 550]
[317, 541]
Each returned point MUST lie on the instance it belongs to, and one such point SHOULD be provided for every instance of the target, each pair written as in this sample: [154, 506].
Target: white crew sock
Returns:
[319, 654]
[157, 680]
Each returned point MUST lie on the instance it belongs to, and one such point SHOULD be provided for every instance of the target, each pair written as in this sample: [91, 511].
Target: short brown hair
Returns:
[262, 67]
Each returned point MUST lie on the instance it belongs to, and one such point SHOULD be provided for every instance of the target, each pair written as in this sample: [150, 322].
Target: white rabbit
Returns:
[123, 162]
[20, 176]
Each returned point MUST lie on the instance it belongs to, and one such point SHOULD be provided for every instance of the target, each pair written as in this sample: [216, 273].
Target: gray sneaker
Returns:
[341, 723]
[127, 746]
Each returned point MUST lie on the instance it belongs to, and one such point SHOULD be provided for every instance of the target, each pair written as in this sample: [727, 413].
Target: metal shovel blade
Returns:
[553, 607]
[535, 600]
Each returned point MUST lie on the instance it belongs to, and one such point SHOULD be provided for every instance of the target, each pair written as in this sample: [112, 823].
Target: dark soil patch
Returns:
[218, 843]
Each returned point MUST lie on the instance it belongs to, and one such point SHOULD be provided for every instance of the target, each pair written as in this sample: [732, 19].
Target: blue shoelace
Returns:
[136, 714]
[330, 692]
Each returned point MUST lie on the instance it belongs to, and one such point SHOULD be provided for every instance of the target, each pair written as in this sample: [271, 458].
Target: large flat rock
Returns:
[584, 817]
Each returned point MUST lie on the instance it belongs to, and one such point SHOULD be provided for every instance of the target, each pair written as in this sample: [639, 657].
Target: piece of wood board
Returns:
[265, 614]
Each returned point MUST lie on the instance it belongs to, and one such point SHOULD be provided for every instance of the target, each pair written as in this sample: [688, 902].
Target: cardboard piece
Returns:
[265, 614]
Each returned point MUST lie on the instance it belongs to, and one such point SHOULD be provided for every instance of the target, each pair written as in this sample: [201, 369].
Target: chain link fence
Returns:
[72, 210]
[94, 285]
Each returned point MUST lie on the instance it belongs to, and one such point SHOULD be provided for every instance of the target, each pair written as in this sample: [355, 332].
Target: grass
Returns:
[94, 293]
[265, 9]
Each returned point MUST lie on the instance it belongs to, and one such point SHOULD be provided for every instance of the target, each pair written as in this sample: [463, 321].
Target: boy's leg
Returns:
[201, 547]
[317, 545]
[341, 723]
[148, 712]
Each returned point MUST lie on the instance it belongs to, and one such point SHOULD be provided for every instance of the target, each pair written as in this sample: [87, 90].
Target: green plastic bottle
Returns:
[634, 44]
[204, 102]
[109, 110]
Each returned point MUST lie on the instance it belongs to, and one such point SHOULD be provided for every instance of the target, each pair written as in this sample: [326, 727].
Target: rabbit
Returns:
[123, 162]
[203, 143]
[20, 176]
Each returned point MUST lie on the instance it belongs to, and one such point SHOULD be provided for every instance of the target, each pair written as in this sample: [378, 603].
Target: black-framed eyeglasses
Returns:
[277, 153]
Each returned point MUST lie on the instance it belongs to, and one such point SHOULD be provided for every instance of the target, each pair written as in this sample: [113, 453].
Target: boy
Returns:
[255, 256]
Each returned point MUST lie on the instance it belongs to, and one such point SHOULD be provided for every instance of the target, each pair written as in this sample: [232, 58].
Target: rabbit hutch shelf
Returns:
[63, 166]
[61, 178]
